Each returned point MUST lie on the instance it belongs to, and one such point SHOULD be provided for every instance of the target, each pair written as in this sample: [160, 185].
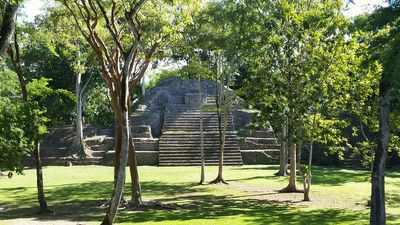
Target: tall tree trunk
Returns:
[120, 184]
[378, 214]
[283, 161]
[7, 28]
[220, 102]
[123, 157]
[79, 146]
[118, 148]
[202, 158]
[307, 176]
[39, 181]
[293, 176]
[136, 190]
[299, 146]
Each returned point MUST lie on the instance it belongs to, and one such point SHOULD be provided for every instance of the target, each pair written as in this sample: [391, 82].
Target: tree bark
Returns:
[39, 182]
[120, 183]
[283, 161]
[202, 175]
[307, 176]
[136, 190]
[79, 147]
[299, 146]
[293, 176]
[7, 28]
[221, 130]
[378, 213]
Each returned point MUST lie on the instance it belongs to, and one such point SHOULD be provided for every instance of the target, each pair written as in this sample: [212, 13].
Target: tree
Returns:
[35, 116]
[385, 46]
[125, 37]
[222, 104]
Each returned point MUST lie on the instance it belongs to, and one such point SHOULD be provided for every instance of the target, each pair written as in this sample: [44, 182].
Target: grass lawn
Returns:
[338, 196]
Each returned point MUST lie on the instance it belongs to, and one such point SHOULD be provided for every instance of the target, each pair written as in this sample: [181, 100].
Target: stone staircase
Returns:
[180, 140]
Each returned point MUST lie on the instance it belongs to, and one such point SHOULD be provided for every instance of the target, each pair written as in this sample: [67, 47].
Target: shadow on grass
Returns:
[211, 207]
[329, 176]
[79, 202]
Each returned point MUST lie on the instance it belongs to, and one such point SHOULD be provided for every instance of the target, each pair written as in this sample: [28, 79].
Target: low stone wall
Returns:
[144, 158]
[254, 157]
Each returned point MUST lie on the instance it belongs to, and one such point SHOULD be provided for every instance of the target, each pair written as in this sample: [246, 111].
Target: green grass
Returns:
[338, 197]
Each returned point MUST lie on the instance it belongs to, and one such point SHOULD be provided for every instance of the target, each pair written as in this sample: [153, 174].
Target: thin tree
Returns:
[14, 54]
[222, 111]
[79, 145]
[202, 158]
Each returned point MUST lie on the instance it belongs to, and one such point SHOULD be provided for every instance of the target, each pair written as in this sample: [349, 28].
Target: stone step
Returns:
[196, 134]
[98, 153]
[198, 163]
[252, 145]
[197, 155]
[195, 138]
[64, 161]
[257, 133]
[196, 123]
[197, 149]
[198, 159]
[259, 140]
[195, 126]
[193, 129]
[196, 113]
[194, 144]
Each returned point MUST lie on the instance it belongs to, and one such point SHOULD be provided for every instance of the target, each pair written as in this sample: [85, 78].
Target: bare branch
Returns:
[110, 27]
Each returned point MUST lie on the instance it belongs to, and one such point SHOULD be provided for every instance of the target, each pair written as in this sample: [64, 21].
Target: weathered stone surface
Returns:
[251, 157]
[141, 131]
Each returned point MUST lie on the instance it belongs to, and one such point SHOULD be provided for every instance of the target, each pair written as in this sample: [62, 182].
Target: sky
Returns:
[34, 7]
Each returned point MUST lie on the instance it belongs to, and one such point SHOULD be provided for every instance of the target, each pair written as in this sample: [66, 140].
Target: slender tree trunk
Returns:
[220, 103]
[136, 190]
[283, 152]
[39, 181]
[79, 146]
[298, 164]
[202, 176]
[7, 28]
[118, 148]
[120, 184]
[293, 176]
[378, 214]
[307, 176]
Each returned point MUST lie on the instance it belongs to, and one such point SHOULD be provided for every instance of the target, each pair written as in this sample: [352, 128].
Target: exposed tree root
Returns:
[281, 174]
[78, 150]
[218, 180]
[201, 183]
[104, 203]
[290, 190]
